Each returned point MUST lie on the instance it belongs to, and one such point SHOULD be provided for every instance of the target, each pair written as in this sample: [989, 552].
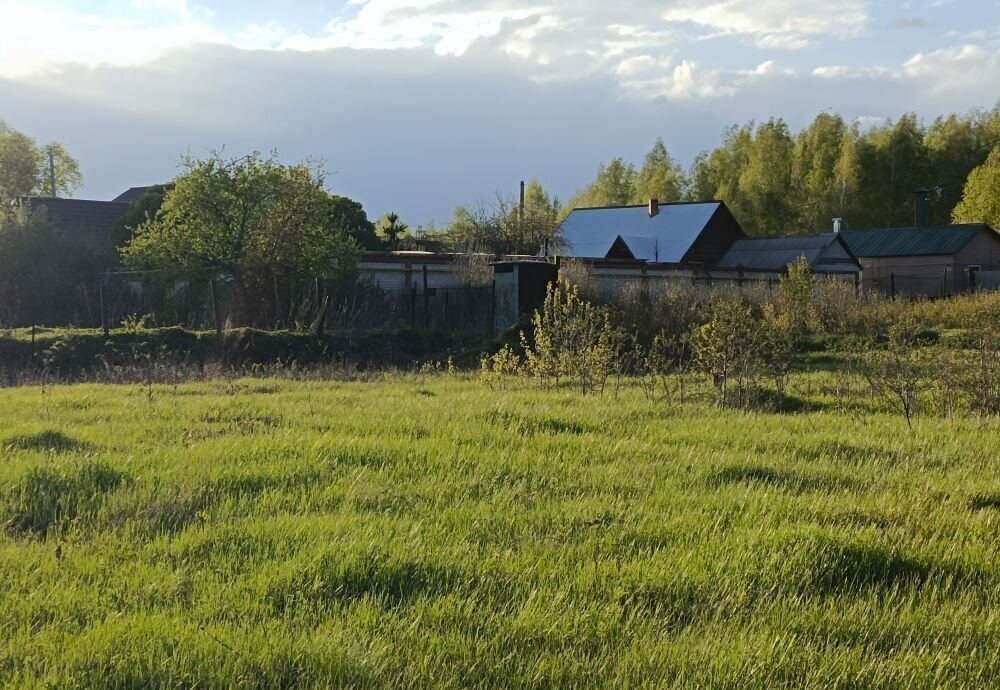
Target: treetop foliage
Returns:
[981, 198]
[253, 218]
[24, 166]
[780, 182]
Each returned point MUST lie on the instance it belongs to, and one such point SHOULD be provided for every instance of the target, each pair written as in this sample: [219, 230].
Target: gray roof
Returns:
[81, 215]
[130, 195]
[665, 238]
[933, 240]
[775, 253]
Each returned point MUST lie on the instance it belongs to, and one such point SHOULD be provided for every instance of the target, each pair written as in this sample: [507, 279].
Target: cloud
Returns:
[650, 78]
[89, 39]
[832, 71]
[956, 69]
[777, 18]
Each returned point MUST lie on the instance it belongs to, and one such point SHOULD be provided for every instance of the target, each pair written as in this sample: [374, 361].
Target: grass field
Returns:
[428, 532]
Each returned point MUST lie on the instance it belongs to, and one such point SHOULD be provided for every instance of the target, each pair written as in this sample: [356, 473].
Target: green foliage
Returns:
[505, 228]
[391, 229]
[728, 349]
[573, 340]
[981, 198]
[797, 290]
[659, 177]
[496, 369]
[140, 211]
[778, 182]
[25, 171]
[252, 218]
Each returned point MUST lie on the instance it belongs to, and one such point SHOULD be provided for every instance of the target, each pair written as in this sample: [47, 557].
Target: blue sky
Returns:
[418, 105]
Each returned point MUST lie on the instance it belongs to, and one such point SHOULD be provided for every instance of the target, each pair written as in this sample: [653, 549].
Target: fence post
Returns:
[104, 313]
[215, 309]
[446, 324]
[413, 307]
[427, 302]
[892, 285]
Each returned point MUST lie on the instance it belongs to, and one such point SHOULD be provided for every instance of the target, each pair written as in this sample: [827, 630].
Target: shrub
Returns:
[727, 348]
[573, 339]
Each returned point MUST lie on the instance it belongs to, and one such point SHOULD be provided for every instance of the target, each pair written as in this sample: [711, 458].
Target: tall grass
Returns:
[429, 532]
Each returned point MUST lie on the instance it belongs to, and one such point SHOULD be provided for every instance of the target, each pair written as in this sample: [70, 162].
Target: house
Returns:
[929, 261]
[89, 222]
[676, 233]
[826, 255]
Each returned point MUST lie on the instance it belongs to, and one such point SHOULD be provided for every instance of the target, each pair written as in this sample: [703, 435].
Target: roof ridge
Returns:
[662, 204]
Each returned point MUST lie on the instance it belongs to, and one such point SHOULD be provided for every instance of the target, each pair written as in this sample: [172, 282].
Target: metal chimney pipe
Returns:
[838, 225]
[921, 213]
[520, 208]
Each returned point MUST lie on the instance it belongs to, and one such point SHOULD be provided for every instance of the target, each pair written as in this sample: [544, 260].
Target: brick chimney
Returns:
[654, 208]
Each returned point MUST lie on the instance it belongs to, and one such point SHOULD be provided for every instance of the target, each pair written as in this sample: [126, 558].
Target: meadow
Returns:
[426, 531]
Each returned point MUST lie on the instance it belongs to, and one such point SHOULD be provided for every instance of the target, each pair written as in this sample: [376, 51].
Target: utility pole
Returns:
[52, 172]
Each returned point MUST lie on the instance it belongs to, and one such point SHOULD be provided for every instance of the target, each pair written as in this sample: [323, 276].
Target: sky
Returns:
[419, 105]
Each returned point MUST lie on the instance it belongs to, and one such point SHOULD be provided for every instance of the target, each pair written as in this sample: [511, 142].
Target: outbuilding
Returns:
[927, 261]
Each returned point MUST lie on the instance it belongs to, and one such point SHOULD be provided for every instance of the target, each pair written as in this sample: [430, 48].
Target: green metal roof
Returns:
[923, 241]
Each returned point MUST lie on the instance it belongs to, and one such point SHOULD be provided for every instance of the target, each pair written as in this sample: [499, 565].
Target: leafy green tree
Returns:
[981, 197]
[659, 178]
[615, 185]
[766, 181]
[139, 211]
[818, 149]
[252, 218]
[348, 216]
[392, 229]
[24, 167]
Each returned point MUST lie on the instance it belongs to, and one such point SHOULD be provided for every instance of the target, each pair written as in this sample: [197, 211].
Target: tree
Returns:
[981, 197]
[392, 228]
[348, 216]
[818, 150]
[260, 222]
[660, 177]
[615, 185]
[24, 167]
[139, 211]
[766, 181]
[504, 227]
[40, 268]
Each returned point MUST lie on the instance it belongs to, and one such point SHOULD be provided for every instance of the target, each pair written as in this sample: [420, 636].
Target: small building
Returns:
[928, 261]
[826, 255]
[89, 222]
[676, 233]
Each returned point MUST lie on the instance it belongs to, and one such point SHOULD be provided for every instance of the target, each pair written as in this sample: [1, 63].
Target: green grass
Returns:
[428, 532]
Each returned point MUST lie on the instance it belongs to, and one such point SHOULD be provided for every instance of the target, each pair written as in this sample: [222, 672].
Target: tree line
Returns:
[778, 182]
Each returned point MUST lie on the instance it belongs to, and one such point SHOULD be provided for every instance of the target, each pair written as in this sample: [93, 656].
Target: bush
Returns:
[573, 340]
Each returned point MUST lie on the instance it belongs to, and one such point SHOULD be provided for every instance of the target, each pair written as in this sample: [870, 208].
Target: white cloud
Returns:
[832, 71]
[956, 69]
[87, 39]
[777, 23]
[647, 77]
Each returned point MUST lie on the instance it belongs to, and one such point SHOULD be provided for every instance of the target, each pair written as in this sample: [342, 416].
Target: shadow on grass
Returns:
[525, 425]
[46, 442]
[985, 502]
[350, 578]
[45, 498]
[836, 567]
[784, 479]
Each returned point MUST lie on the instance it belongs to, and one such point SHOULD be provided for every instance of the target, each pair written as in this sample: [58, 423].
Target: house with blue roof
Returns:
[676, 233]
